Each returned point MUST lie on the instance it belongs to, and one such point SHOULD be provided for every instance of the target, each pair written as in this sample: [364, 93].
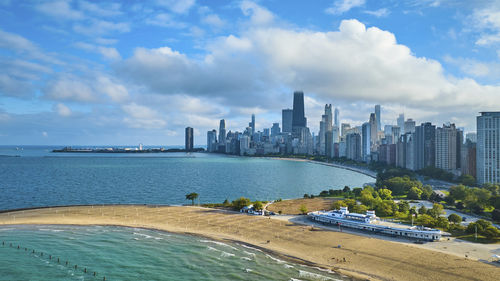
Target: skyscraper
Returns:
[409, 126]
[488, 148]
[211, 141]
[337, 120]
[299, 120]
[446, 147]
[189, 139]
[366, 140]
[344, 128]
[275, 129]
[377, 115]
[286, 120]
[252, 124]
[222, 132]
[401, 123]
[373, 132]
[425, 146]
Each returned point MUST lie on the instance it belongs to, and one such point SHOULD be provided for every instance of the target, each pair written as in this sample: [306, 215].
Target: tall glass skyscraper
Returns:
[286, 120]
[377, 114]
[488, 148]
[337, 120]
[222, 131]
[189, 139]
[299, 118]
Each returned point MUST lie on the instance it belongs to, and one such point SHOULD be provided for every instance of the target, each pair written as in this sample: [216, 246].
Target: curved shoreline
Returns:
[366, 258]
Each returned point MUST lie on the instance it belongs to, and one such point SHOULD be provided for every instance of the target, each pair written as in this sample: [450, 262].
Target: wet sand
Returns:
[365, 257]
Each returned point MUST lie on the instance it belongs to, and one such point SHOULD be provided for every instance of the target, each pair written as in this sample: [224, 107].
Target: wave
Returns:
[219, 243]
[316, 276]
[147, 236]
[275, 259]
[248, 247]
[223, 254]
[53, 230]
[245, 258]
[248, 253]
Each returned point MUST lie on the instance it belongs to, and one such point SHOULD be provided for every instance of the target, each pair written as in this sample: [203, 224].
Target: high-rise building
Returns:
[337, 119]
[299, 119]
[468, 158]
[366, 141]
[446, 147]
[222, 132]
[373, 132]
[286, 120]
[377, 115]
[353, 146]
[321, 136]
[252, 124]
[425, 146]
[401, 123]
[410, 151]
[471, 136]
[328, 132]
[396, 133]
[409, 126]
[344, 128]
[189, 139]
[488, 148]
[275, 129]
[211, 141]
[336, 134]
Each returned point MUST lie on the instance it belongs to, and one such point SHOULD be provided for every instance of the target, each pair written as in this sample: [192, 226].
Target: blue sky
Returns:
[128, 72]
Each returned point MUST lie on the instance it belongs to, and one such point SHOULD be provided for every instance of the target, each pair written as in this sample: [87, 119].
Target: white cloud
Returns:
[165, 20]
[71, 88]
[101, 27]
[140, 116]
[486, 22]
[258, 14]
[117, 92]
[342, 6]
[23, 46]
[101, 9]
[62, 110]
[107, 52]
[106, 41]
[177, 6]
[213, 20]
[60, 9]
[380, 13]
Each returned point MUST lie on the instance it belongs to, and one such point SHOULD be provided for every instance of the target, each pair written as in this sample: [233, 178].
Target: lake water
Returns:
[33, 176]
[41, 178]
[136, 254]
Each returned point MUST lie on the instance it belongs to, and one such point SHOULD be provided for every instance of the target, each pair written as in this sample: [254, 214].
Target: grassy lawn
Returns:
[480, 239]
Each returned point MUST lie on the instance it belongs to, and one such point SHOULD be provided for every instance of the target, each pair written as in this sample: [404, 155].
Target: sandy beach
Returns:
[365, 257]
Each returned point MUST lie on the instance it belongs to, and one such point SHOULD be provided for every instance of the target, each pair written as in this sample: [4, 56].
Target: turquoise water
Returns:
[136, 254]
[40, 178]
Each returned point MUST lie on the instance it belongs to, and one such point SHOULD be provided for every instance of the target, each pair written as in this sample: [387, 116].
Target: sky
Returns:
[81, 72]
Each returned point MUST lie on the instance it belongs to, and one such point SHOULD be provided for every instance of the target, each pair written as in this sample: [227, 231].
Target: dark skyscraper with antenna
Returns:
[299, 120]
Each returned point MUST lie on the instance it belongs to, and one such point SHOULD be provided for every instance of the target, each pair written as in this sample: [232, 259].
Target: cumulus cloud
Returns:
[107, 52]
[258, 14]
[177, 6]
[165, 20]
[140, 116]
[213, 20]
[60, 9]
[342, 6]
[62, 110]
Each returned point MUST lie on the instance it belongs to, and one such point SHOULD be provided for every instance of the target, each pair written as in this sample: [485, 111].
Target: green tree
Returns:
[467, 180]
[241, 202]
[403, 206]
[385, 194]
[385, 208]
[422, 210]
[426, 192]
[350, 203]
[426, 220]
[303, 209]
[436, 211]
[337, 204]
[192, 196]
[257, 205]
[491, 232]
[346, 189]
[458, 192]
[414, 193]
[495, 215]
[357, 191]
[360, 209]
[442, 222]
[454, 218]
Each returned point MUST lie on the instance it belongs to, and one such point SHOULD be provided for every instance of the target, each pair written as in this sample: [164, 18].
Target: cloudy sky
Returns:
[129, 72]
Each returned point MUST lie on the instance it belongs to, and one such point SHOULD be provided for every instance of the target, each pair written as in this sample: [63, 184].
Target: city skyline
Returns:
[114, 73]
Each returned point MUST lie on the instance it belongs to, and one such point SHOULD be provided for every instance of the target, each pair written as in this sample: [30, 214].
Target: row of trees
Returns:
[476, 199]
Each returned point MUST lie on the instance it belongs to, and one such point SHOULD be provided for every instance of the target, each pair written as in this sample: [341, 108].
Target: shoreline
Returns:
[287, 240]
[365, 172]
